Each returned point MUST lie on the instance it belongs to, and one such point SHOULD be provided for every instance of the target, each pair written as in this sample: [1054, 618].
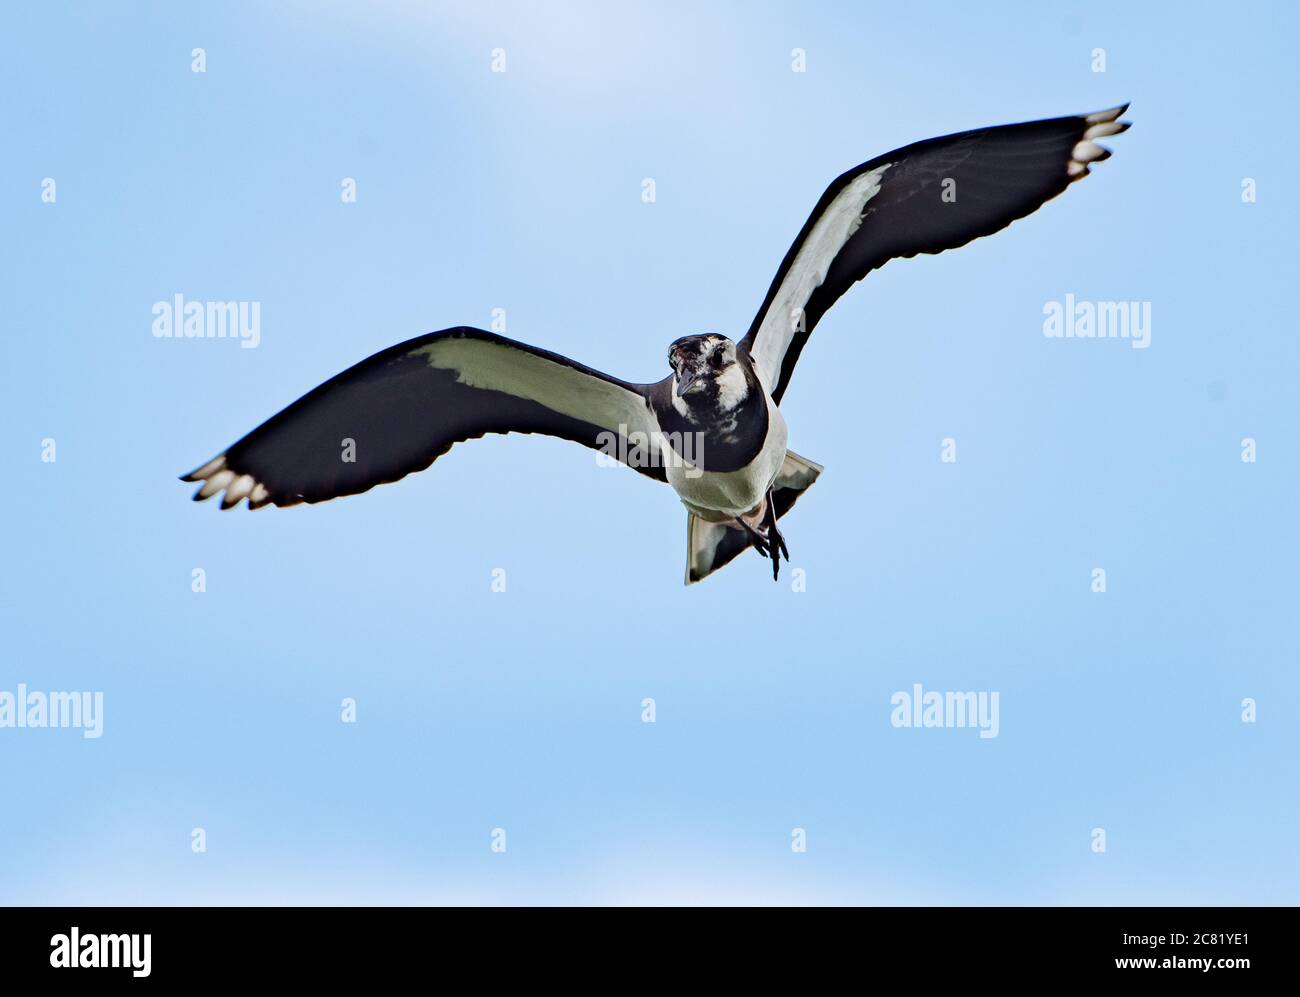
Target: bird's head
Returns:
[703, 365]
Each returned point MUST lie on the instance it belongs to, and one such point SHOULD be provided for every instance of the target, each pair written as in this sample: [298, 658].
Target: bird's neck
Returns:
[722, 402]
[727, 418]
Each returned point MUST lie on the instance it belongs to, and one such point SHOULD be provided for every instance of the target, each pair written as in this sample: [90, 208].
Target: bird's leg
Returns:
[764, 537]
[776, 542]
[756, 539]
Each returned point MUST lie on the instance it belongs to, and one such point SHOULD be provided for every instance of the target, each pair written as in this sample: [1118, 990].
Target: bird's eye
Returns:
[719, 358]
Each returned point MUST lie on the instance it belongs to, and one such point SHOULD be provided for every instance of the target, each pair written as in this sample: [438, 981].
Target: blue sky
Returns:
[522, 709]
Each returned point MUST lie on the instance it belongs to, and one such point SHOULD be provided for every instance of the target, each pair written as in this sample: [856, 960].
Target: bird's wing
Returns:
[400, 410]
[935, 195]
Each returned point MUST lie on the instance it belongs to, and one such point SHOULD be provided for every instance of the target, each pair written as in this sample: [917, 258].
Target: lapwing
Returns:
[713, 428]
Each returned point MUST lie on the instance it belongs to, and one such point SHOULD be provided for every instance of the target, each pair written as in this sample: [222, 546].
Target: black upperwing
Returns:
[934, 195]
[401, 409]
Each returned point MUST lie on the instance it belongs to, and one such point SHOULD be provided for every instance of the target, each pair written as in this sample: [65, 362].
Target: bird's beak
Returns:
[685, 378]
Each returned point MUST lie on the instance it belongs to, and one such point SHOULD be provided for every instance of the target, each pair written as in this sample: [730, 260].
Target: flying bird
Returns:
[713, 428]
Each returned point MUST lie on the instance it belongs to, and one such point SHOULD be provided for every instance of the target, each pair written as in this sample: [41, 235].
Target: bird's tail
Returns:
[710, 546]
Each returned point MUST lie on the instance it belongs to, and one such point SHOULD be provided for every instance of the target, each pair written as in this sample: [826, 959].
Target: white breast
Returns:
[719, 495]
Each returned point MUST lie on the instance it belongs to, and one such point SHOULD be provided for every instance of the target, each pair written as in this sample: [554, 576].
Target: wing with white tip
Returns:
[934, 195]
[400, 410]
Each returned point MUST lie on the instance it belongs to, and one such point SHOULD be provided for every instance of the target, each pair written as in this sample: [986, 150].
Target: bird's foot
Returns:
[775, 542]
[765, 537]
